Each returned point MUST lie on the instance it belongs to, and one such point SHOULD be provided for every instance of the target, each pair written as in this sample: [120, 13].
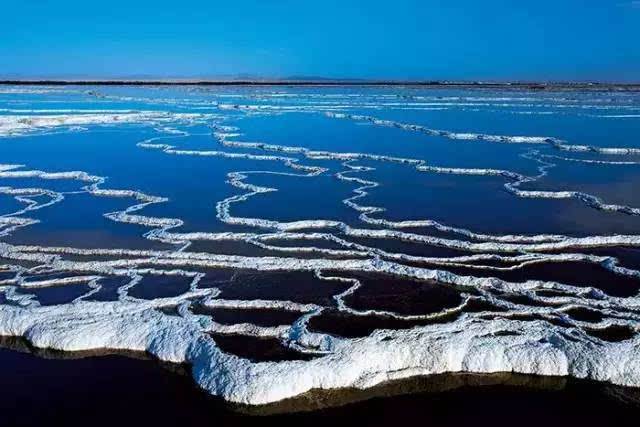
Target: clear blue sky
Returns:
[399, 39]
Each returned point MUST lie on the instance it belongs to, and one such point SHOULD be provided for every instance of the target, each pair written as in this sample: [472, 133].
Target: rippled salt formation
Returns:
[191, 261]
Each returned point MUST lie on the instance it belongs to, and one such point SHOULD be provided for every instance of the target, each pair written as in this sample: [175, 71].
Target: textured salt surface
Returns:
[266, 308]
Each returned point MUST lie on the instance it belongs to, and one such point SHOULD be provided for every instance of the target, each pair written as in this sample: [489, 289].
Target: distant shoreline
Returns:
[356, 83]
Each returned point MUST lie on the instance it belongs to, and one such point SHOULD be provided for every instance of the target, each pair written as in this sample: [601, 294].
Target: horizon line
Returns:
[310, 82]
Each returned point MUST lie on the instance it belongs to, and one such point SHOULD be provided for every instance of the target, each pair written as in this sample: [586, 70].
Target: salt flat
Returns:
[285, 239]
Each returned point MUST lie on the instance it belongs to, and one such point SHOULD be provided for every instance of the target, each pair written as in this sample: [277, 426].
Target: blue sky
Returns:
[397, 39]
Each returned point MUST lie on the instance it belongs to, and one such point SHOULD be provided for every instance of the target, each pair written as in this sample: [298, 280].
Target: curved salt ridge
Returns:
[58, 282]
[256, 190]
[588, 199]
[620, 116]
[125, 193]
[24, 124]
[125, 216]
[201, 260]
[73, 175]
[57, 112]
[512, 187]
[249, 329]
[260, 304]
[592, 161]
[554, 142]
[236, 180]
[609, 263]
[8, 167]
[12, 221]
[435, 105]
[367, 210]
[356, 284]
[127, 267]
[32, 90]
[466, 345]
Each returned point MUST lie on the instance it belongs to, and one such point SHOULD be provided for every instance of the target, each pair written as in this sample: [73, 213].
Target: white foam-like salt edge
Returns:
[31, 284]
[591, 161]
[181, 260]
[554, 142]
[162, 355]
[516, 180]
[466, 345]
[33, 90]
[620, 116]
[261, 304]
[341, 105]
[239, 392]
[19, 124]
[85, 266]
[155, 221]
[58, 112]
[201, 260]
